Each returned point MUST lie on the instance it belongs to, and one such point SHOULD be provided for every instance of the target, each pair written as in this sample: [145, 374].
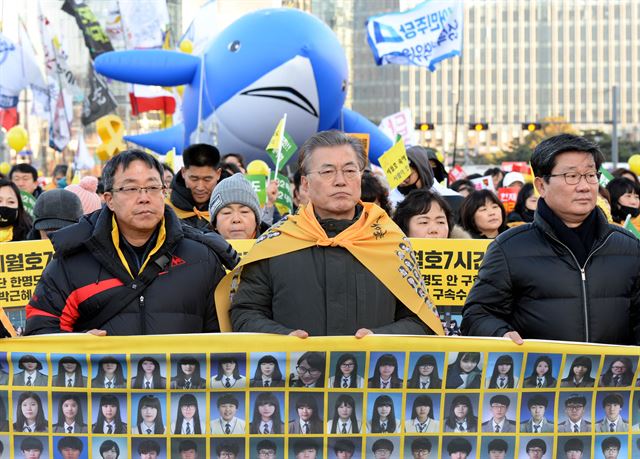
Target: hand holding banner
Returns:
[395, 164]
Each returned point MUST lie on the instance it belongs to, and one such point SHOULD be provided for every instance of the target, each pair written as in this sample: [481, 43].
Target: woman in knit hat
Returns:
[234, 209]
[86, 191]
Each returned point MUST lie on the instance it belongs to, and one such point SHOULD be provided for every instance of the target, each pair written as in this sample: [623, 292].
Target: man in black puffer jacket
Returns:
[569, 275]
[129, 268]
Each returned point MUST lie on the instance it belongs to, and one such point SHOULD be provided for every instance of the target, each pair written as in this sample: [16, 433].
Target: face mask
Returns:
[8, 216]
[626, 210]
[406, 189]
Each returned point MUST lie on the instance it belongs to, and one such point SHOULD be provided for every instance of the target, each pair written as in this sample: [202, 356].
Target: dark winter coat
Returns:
[182, 199]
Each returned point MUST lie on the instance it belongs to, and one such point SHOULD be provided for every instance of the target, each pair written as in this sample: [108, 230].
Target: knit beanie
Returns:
[234, 190]
[55, 209]
[86, 191]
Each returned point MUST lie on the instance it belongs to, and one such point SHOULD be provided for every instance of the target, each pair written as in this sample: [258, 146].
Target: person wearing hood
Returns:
[192, 186]
[439, 171]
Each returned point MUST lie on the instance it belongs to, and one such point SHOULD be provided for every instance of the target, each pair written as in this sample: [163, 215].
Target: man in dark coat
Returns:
[569, 275]
[130, 268]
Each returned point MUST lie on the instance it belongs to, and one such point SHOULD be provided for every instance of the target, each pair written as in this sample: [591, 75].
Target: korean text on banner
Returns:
[395, 164]
[422, 36]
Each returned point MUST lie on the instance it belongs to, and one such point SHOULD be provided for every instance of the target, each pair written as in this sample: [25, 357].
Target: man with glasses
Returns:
[266, 449]
[338, 267]
[574, 408]
[130, 268]
[611, 447]
[569, 275]
[421, 448]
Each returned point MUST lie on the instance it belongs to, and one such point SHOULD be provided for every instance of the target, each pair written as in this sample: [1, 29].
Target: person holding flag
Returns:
[350, 262]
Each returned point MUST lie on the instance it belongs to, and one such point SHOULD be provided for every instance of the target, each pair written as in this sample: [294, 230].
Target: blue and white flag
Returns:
[423, 36]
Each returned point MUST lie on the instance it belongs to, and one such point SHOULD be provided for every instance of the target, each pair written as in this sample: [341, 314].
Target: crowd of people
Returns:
[140, 220]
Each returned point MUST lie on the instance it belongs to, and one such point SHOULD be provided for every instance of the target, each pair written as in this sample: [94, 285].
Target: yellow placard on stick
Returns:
[395, 164]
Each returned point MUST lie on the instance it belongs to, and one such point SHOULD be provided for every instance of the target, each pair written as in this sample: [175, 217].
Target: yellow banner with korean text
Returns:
[237, 396]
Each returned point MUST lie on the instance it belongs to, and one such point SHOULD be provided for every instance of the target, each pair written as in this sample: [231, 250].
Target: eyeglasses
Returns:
[574, 407]
[330, 173]
[421, 452]
[573, 178]
[266, 453]
[310, 371]
[347, 364]
[130, 191]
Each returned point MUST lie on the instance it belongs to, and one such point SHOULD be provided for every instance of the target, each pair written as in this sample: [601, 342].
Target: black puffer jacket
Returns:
[531, 283]
[86, 276]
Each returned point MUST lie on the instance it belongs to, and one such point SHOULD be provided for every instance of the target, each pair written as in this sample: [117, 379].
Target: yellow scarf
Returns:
[182, 214]
[6, 234]
[373, 239]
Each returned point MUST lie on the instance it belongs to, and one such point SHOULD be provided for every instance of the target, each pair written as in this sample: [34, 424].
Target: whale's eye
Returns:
[234, 46]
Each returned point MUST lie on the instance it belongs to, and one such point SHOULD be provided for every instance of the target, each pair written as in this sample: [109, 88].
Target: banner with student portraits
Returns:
[248, 396]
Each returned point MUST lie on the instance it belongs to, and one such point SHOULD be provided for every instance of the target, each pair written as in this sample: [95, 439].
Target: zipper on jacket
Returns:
[584, 278]
[143, 319]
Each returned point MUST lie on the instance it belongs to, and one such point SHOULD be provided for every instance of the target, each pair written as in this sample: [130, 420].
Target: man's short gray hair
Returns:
[124, 159]
[332, 138]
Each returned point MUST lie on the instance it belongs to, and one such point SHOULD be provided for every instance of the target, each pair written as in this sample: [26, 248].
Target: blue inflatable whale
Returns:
[265, 64]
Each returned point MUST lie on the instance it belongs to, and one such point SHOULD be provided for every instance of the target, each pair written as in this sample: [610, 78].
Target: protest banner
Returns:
[226, 379]
[400, 124]
[508, 197]
[395, 164]
[483, 183]
[456, 173]
[259, 183]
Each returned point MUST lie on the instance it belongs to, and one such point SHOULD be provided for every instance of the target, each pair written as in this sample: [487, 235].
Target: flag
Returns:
[95, 38]
[281, 146]
[18, 69]
[144, 22]
[60, 125]
[400, 123]
[395, 164]
[146, 98]
[55, 57]
[83, 160]
[628, 225]
[9, 117]
[605, 176]
[205, 26]
[422, 36]
[99, 102]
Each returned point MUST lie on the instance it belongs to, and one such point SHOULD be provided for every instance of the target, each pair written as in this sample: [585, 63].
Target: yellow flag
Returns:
[170, 157]
[395, 164]
[274, 143]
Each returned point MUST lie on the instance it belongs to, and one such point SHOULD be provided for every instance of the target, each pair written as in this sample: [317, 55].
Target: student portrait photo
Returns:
[576, 416]
[459, 447]
[499, 413]
[305, 448]
[110, 413]
[71, 370]
[229, 371]
[425, 370]
[4, 413]
[189, 448]
[71, 413]
[30, 409]
[536, 448]
[227, 410]
[308, 369]
[147, 448]
[347, 370]
[28, 447]
[578, 371]
[503, 370]
[266, 409]
[460, 413]
[382, 415]
[70, 447]
[612, 411]
[30, 370]
[227, 448]
[305, 413]
[187, 417]
[541, 371]
[149, 418]
[618, 371]
[346, 413]
[344, 448]
[110, 372]
[574, 447]
[4, 445]
[423, 413]
[4, 369]
[268, 369]
[538, 417]
[497, 447]
[266, 448]
[383, 448]
[612, 446]
[387, 371]
[148, 372]
[464, 370]
[187, 372]
[420, 447]
[635, 409]
[113, 448]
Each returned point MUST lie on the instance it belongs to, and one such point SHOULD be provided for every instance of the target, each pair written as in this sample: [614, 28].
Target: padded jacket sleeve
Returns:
[46, 311]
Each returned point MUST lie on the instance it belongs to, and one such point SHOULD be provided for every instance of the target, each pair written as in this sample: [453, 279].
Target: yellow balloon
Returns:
[186, 46]
[440, 156]
[5, 167]
[17, 138]
[258, 167]
[634, 164]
